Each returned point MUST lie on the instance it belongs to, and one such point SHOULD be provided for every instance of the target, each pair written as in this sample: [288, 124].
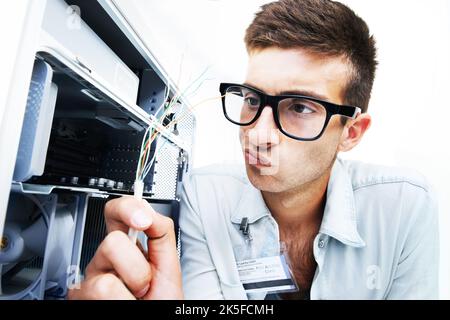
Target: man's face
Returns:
[275, 162]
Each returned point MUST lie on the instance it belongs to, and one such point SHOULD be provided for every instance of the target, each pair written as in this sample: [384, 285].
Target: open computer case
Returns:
[93, 91]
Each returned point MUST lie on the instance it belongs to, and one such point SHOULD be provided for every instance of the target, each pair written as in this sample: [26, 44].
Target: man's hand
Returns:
[120, 269]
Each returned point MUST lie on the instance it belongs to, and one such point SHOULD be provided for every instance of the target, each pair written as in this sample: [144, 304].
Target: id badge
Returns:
[268, 274]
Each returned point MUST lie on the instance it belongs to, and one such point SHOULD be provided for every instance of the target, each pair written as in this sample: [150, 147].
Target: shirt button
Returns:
[321, 243]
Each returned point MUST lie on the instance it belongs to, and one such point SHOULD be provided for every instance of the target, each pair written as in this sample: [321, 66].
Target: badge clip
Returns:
[245, 228]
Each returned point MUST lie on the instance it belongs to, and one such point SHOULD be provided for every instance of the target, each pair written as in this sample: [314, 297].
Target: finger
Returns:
[101, 287]
[125, 212]
[141, 248]
[161, 243]
[117, 253]
[162, 227]
[162, 252]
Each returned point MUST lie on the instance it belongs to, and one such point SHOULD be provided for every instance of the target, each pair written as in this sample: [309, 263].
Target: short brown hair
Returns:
[323, 27]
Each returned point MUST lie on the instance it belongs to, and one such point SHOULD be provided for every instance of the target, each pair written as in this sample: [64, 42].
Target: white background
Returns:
[410, 107]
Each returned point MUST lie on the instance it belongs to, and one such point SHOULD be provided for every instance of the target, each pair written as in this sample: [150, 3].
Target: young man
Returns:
[350, 230]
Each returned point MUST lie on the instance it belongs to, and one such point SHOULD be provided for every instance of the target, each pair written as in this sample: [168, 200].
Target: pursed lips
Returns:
[256, 159]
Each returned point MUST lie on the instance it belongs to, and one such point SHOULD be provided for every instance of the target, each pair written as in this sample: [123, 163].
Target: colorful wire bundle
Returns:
[144, 162]
[151, 133]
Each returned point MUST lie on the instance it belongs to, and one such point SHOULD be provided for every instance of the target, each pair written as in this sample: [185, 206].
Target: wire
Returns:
[144, 165]
[139, 188]
[138, 192]
[180, 94]
[150, 164]
[143, 147]
[166, 96]
[192, 109]
[173, 101]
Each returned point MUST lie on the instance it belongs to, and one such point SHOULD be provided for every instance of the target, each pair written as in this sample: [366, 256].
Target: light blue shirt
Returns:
[378, 238]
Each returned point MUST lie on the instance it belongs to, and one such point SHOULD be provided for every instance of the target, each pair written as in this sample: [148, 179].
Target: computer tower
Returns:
[91, 97]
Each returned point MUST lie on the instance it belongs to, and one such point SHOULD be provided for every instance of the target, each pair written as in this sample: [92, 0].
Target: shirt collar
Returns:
[251, 205]
[339, 219]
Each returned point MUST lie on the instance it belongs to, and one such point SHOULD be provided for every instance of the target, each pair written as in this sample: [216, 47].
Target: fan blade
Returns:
[35, 237]
[24, 244]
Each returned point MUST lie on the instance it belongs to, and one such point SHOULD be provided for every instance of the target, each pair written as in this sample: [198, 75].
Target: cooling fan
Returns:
[36, 247]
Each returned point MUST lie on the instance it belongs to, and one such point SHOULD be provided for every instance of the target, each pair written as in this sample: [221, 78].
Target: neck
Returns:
[301, 207]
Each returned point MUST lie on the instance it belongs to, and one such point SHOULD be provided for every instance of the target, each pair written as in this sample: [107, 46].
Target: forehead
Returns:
[276, 70]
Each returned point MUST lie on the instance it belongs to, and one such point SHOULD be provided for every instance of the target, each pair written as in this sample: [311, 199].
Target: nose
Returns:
[264, 134]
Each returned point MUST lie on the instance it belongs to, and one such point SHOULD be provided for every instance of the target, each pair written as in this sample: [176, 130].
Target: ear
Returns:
[353, 132]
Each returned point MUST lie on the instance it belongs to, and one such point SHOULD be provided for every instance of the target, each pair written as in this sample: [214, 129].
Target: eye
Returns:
[301, 109]
[251, 101]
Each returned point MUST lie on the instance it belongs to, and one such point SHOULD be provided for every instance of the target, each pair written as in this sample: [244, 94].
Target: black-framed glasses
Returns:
[298, 117]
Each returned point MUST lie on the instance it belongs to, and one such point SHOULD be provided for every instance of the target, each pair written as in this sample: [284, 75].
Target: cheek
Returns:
[334, 129]
[295, 155]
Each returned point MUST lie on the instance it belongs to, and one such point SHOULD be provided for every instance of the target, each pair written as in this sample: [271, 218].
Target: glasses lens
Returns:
[241, 104]
[302, 118]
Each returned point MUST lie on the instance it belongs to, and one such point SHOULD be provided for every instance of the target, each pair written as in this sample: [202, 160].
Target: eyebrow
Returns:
[306, 93]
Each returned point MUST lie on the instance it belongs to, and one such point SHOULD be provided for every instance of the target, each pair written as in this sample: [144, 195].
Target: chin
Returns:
[262, 180]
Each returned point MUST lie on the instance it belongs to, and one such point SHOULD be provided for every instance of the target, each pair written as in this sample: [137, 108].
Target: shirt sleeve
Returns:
[200, 278]
[417, 272]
